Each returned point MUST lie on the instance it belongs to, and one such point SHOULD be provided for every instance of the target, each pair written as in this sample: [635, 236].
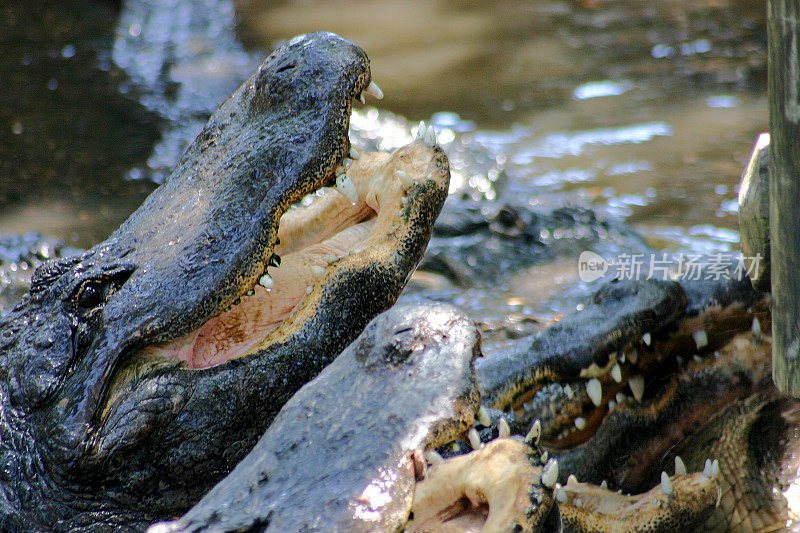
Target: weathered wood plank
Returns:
[784, 190]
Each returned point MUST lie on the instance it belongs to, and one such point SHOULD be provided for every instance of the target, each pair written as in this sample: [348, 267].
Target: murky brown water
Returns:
[648, 110]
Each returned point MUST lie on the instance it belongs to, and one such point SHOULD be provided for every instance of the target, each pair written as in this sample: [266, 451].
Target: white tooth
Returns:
[474, 439]
[666, 484]
[595, 391]
[647, 339]
[483, 417]
[604, 484]
[707, 469]
[354, 153]
[620, 397]
[421, 131]
[572, 480]
[430, 137]
[347, 162]
[700, 338]
[697, 358]
[580, 422]
[317, 270]
[717, 354]
[405, 179]
[550, 473]
[266, 281]
[621, 357]
[535, 432]
[756, 326]
[346, 186]
[616, 373]
[568, 391]
[636, 384]
[361, 97]
[680, 468]
[373, 90]
[715, 468]
[543, 457]
[433, 457]
[611, 404]
[633, 356]
[561, 495]
[503, 430]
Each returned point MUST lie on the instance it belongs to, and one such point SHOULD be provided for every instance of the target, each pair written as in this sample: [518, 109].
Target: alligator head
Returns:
[137, 374]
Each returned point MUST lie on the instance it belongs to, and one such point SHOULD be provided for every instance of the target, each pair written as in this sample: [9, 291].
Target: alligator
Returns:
[137, 374]
[345, 452]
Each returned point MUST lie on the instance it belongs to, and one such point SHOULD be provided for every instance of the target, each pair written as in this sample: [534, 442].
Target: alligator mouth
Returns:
[376, 201]
[641, 376]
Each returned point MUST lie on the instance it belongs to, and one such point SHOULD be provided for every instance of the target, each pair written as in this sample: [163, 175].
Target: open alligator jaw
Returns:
[376, 200]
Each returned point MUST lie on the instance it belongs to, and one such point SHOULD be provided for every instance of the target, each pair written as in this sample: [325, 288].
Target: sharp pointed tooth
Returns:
[474, 439]
[433, 457]
[756, 326]
[580, 422]
[636, 384]
[715, 468]
[266, 281]
[483, 417]
[405, 179]
[620, 397]
[373, 90]
[354, 153]
[421, 131]
[621, 356]
[317, 270]
[666, 484]
[361, 97]
[616, 373]
[503, 429]
[347, 162]
[700, 338]
[535, 432]
[543, 457]
[595, 391]
[345, 186]
[430, 137]
[561, 495]
[572, 480]
[680, 468]
[707, 469]
[550, 473]
[647, 339]
[604, 484]
[568, 391]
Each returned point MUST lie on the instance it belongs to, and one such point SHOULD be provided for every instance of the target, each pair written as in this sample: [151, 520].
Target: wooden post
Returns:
[784, 191]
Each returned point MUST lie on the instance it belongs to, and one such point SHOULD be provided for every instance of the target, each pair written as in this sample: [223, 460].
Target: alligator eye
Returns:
[90, 295]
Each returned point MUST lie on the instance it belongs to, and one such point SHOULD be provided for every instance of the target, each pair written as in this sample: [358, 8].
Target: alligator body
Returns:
[137, 374]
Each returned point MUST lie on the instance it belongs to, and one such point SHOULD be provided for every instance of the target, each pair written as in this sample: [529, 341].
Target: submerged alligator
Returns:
[137, 374]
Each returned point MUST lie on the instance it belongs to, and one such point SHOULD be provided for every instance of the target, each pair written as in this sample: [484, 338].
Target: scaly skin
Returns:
[340, 456]
[101, 431]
